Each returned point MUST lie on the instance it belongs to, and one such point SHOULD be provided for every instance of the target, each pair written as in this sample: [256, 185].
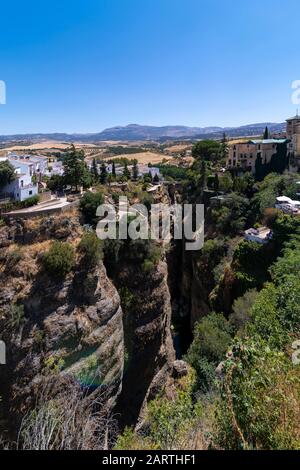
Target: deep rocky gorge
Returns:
[76, 327]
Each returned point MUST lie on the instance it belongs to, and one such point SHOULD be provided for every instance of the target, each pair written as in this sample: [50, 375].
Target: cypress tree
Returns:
[113, 170]
[103, 174]
[126, 172]
[94, 170]
[266, 133]
[135, 170]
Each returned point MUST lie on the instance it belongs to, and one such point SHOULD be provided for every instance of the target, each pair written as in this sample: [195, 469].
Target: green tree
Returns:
[156, 179]
[208, 150]
[113, 171]
[225, 183]
[242, 309]
[259, 401]
[94, 171]
[223, 150]
[75, 170]
[91, 249]
[212, 336]
[266, 133]
[135, 170]
[89, 204]
[7, 173]
[279, 161]
[126, 172]
[103, 173]
[216, 184]
[202, 177]
[244, 184]
[260, 171]
[231, 217]
[56, 183]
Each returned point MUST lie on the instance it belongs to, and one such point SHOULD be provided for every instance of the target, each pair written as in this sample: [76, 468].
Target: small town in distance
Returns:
[36, 182]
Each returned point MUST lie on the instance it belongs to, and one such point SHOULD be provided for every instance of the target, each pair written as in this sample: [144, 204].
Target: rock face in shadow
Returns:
[72, 327]
[149, 347]
[76, 327]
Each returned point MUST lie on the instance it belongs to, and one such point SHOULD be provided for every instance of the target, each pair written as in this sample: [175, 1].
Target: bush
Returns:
[141, 250]
[212, 253]
[89, 204]
[16, 317]
[128, 299]
[276, 313]
[31, 201]
[12, 259]
[59, 260]
[211, 340]
[130, 440]
[231, 217]
[251, 263]
[91, 249]
[259, 404]
[242, 309]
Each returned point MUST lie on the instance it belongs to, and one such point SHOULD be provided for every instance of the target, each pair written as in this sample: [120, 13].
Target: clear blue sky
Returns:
[81, 66]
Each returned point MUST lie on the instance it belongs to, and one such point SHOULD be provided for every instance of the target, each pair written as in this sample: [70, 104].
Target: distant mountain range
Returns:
[134, 132]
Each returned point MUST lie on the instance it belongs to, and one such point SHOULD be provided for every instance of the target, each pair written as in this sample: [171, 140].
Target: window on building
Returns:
[30, 193]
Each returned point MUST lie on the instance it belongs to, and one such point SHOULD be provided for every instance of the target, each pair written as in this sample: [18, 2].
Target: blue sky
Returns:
[82, 66]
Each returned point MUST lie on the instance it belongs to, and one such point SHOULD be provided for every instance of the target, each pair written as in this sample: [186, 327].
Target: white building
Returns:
[148, 170]
[22, 187]
[55, 168]
[38, 163]
[261, 235]
[287, 205]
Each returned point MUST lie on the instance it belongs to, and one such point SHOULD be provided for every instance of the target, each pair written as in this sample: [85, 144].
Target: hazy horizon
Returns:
[142, 125]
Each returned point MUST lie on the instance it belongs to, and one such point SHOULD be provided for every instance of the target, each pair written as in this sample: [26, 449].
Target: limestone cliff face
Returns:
[76, 327]
[149, 345]
[69, 327]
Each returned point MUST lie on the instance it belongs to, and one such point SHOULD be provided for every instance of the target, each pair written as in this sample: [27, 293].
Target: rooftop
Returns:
[21, 162]
[294, 118]
[267, 141]
[262, 232]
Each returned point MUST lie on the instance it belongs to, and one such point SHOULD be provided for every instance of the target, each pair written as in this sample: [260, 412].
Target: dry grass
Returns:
[47, 145]
[144, 157]
[179, 148]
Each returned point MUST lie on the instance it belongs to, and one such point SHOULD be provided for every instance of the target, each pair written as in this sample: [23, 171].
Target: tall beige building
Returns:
[243, 155]
[293, 134]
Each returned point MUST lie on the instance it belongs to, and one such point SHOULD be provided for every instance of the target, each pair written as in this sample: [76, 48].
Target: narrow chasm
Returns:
[179, 272]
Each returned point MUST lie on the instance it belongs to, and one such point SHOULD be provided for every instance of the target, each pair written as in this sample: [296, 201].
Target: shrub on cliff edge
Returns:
[59, 259]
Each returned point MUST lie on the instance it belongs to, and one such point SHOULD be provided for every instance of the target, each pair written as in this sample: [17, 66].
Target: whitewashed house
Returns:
[38, 163]
[22, 187]
[146, 170]
[287, 205]
[55, 169]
